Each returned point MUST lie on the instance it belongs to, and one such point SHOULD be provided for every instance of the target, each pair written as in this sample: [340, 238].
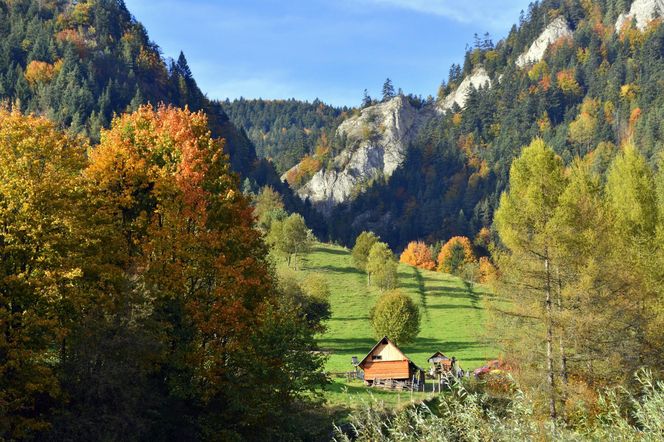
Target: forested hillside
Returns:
[285, 130]
[594, 88]
[80, 62]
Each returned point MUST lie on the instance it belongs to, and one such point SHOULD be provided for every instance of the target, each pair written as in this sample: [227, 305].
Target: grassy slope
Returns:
[452, 318]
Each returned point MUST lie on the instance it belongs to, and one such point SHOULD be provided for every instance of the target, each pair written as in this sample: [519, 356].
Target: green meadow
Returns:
[453, 321]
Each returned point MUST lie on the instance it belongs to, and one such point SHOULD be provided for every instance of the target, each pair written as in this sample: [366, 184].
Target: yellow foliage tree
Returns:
[39, 265]
[582, 129]
[567, 82]
[457, 252]
[487, 271]
[40, 72]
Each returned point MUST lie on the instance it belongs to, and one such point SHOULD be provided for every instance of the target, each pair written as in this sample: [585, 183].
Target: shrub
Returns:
[396, 316]
[464, 415]
[487, 271]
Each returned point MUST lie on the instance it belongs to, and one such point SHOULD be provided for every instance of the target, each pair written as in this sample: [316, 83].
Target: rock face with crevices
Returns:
[376, 144]
[642, 12]
[459, 96]
[557, 29]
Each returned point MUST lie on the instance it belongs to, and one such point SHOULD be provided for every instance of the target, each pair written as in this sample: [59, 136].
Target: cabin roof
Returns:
[385, 340]
[437, 357]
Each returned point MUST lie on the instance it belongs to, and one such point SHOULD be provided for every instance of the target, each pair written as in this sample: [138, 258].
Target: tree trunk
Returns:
[549, 343]
[563, 354]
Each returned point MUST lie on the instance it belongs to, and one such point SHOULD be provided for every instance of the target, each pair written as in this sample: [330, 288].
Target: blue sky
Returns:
[327, 49]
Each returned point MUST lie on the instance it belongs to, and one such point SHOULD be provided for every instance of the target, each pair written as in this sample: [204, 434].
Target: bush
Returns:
[311, 297]
[397, 317]
[487, 271]
[463, 415]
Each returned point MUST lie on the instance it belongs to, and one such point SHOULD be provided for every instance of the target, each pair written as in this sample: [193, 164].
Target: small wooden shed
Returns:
[386, 361]
[441, 363]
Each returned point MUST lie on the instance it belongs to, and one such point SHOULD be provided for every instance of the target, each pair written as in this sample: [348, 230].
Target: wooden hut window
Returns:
[376, 357]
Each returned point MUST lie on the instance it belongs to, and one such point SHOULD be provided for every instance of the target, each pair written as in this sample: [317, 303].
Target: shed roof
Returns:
[437, 357]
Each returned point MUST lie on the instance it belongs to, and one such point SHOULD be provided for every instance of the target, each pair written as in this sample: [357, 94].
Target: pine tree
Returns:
[137, 101]
[366, 99]
[477, 41]
[454, 74]
[183, 67]
[487, 42]
[388, 90]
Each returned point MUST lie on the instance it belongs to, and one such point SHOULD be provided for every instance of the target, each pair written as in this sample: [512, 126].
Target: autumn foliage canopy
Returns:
[454, 254]
[135, 272]
[418, 254]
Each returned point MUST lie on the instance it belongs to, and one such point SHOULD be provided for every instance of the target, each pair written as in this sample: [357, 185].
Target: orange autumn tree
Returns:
[188, 231]
[419, 255]
[457, 252]
[165, 186]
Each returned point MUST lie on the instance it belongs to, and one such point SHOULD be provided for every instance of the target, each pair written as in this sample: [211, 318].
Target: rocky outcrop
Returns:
[643, 12]
[459, 96]
[557, 29]
[376, 144]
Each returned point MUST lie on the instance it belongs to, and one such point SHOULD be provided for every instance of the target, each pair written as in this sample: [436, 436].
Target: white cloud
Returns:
[496, 14]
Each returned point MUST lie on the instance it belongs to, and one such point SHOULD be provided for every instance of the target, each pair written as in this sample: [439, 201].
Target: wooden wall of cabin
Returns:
[387, 370]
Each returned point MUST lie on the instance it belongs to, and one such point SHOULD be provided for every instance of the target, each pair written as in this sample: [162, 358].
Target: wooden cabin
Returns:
[441, 363]
[386, 362]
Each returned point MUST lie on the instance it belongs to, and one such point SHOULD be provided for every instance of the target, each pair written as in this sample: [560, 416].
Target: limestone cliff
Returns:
[643, 12]
[557, 29]
[479, 78]
[376, 144]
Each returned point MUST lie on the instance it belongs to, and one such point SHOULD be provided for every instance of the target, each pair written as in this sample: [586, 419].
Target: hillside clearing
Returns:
[453, 318]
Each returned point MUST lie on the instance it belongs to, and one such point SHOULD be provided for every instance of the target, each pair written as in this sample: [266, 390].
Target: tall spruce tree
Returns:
[388, 90]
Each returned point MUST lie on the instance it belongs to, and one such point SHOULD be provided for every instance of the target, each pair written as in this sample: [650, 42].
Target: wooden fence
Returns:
[391, 384]
[348, 375]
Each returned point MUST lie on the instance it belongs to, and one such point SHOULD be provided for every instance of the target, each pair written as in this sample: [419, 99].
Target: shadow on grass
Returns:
[338, 269]
[447, 347]
[422, 291]
[351, 346]
[454, 307]
[359, 318]
[329, 251]
[358, 388]
[451, 292]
